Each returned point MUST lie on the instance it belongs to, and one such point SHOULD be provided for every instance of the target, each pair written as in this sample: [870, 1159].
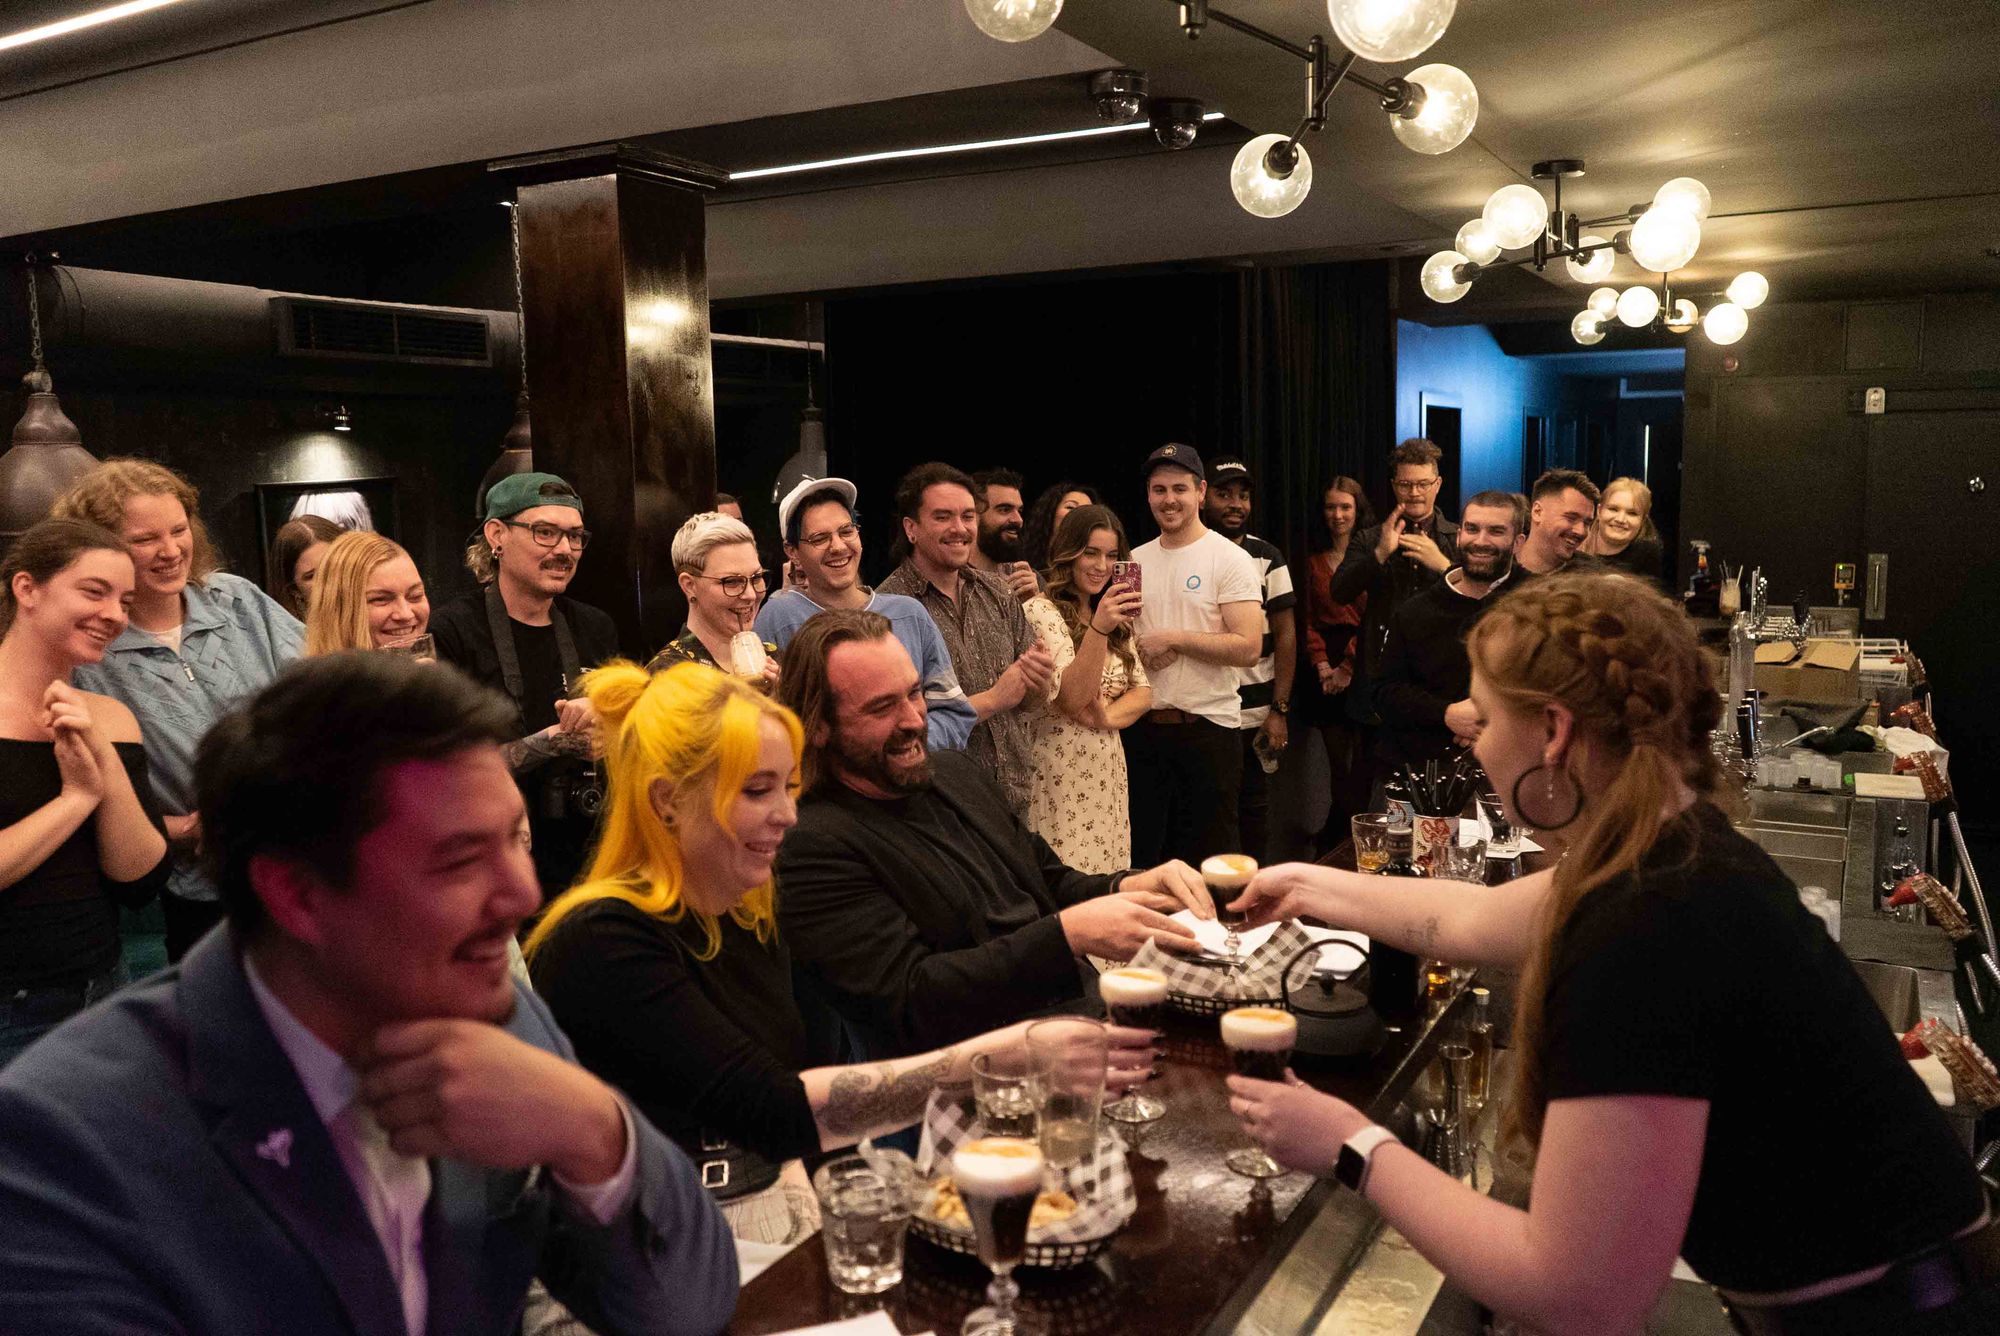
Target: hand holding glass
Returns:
[1069, 1056]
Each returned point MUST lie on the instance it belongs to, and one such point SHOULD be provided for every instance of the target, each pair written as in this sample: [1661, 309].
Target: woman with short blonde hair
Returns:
[367, 594]
[1623, 536]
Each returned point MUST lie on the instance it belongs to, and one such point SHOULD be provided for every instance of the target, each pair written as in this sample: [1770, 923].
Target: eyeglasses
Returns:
[819, 542]
[548, 535]
[1414, 486]
[736, 586]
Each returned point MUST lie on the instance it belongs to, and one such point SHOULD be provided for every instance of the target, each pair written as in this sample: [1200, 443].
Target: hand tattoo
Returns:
[862, 1099]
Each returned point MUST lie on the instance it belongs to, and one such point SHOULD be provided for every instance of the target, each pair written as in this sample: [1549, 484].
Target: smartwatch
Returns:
[1351, 1170]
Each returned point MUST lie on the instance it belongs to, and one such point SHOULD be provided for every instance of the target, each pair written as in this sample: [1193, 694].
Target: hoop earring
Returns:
[1536, 820]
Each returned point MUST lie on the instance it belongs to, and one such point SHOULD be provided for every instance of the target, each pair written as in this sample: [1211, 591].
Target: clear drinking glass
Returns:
[1371, 841]
[1227, 875]
[1138, 998]
[864, 1214]
[1004, 1088]
[1464, 861]
[998, 1179]
[1069, 1055]
[421, 648]
[1260, 1041]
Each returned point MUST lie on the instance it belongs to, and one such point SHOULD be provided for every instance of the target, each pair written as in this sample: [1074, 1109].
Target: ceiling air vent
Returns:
[379, 332]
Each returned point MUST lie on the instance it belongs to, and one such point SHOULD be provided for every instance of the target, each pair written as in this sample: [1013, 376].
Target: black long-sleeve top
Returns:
[1424, 668]
[926, 919]
[59, 924]
[1388, 584]
[697, 1045]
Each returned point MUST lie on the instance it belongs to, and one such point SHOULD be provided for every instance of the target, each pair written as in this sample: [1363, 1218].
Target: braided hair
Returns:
[1624, 662]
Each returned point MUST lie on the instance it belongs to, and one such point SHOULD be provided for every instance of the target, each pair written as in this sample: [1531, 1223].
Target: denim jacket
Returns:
[234, 639]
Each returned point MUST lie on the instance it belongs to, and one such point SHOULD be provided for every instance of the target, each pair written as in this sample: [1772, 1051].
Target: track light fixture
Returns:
[1432, 109]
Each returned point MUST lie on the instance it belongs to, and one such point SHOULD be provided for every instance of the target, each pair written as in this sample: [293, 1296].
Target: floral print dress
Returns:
[1079, 801]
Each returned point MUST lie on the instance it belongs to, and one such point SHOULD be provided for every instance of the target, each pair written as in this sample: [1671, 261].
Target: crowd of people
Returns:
[550, 965]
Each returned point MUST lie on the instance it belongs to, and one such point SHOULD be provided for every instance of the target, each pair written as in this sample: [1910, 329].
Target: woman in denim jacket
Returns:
[198, 641]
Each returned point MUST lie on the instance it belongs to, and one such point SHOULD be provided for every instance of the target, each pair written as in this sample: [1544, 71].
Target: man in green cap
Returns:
[520, 634]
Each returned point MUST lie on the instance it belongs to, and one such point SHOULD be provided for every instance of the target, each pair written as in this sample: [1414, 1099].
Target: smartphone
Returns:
[1126, 573]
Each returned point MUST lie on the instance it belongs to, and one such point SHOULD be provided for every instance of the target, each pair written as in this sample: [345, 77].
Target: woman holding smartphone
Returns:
[1701, 1072]
[1079, 802]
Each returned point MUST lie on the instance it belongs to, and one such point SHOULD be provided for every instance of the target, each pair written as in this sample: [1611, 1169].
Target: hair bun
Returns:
[613, 689]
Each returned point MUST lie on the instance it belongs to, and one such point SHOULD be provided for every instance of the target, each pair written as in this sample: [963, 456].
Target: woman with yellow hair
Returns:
[367, 594]
[665, 969]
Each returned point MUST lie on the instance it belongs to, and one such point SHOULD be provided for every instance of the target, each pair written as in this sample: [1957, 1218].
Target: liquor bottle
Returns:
[1397, 802]
[1479, 1035]
[1392, 973]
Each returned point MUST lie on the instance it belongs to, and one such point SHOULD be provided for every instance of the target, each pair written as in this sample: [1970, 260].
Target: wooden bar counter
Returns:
[1207, 1252]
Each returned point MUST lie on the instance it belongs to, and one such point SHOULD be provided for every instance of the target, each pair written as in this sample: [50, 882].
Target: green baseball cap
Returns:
[524, 491]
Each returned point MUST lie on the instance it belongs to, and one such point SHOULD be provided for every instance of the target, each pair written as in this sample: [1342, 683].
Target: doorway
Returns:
[1443, 426]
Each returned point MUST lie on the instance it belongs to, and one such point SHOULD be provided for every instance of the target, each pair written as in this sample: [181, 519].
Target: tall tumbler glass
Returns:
[1070, 1056]
[998, 1179]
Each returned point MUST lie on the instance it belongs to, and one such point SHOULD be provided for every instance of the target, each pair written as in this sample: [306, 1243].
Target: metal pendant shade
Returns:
[516, 455]
[47, 454]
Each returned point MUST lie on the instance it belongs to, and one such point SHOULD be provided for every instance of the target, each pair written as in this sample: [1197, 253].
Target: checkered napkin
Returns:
[1257, 980]
[1101, 1185]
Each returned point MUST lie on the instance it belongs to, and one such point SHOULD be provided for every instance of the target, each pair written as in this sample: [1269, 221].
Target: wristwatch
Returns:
[1281, 707]
[1351, 1170]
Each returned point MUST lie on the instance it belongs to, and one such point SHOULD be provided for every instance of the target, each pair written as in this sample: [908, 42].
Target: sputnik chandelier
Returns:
[1431, 109]
[1662, 236]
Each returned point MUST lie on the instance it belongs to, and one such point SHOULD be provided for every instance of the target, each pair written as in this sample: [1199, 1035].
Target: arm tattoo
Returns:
[1427, 936]
[538, 749]
[861, 1099]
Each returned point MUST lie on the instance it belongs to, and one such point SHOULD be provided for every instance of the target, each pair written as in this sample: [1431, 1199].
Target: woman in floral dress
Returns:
[1079, 802]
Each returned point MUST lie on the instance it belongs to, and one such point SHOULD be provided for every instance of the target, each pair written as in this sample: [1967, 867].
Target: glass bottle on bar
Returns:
[1392, 973]
[1479, 1037]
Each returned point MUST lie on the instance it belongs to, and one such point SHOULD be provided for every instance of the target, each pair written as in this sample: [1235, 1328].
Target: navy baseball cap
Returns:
[1228, 468]
[1177, 456]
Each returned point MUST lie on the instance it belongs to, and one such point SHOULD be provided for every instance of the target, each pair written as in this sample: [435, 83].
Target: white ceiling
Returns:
[1852, 146]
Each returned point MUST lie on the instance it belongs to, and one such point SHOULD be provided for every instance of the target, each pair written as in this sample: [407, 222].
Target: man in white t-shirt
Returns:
[1200, 623]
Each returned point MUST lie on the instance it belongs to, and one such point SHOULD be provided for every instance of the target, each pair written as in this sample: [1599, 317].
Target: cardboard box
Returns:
[1828, 670]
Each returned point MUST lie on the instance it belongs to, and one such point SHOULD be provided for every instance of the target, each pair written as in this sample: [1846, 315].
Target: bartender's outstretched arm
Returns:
[1445, 920]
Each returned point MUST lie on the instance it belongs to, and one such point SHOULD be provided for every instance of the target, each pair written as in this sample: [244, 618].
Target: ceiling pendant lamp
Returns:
[1748, 290]
[1013, 20]
[1725, 323]
[1386, 31]
[1271, 176]
[47, 454]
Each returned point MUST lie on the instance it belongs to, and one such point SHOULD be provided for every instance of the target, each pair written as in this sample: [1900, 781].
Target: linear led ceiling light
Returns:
[937, 150]
[95, 18]
[1431, 110]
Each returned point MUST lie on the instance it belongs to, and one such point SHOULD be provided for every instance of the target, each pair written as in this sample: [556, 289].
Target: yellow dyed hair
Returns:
[691, 724]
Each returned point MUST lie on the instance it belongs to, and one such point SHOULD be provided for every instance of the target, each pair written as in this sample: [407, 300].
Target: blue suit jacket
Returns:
[142, 1190]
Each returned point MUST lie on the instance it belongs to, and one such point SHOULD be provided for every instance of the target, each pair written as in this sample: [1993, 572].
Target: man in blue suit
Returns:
[339, 1116]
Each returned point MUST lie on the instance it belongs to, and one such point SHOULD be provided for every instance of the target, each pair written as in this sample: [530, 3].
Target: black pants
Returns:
[188, 921]
[1253, 802]
[1185, 779]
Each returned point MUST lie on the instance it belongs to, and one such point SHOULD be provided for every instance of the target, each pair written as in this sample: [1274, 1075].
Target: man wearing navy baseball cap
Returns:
[1201, 623]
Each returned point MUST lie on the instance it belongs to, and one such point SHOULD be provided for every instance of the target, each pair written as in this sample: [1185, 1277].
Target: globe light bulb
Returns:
[1587, 328]
[1389, 30]
[1013, 20]
[1748, 289]
[1450, 110]
[1683, 194]
[1725, 323]
[1261, 191]
[1638, 306]
[1439, 281]
[1684, 317]
[1604, 301]
[1665, 239]
[1515, 216]
[1476, 244]
[1594, 267]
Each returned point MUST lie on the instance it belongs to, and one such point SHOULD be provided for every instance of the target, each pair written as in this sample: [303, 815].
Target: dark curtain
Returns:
[1315, 381]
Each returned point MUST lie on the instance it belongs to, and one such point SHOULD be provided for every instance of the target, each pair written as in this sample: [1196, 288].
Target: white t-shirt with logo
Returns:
[1185, 589]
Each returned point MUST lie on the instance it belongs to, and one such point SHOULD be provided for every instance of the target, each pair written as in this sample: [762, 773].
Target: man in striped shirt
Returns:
[1265, 687]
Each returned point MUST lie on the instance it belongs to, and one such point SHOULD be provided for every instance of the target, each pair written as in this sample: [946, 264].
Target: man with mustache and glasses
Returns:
[823, 543]
[1426, 678]
[340, 1114]
[522, 635]
[916, 903]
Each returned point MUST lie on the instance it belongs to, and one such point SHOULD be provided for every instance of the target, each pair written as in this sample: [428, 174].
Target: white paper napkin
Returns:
[1211, 935]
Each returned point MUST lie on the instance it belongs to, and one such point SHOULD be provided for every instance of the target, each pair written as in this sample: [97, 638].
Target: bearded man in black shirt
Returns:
[915, 902]
[1426, 677]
